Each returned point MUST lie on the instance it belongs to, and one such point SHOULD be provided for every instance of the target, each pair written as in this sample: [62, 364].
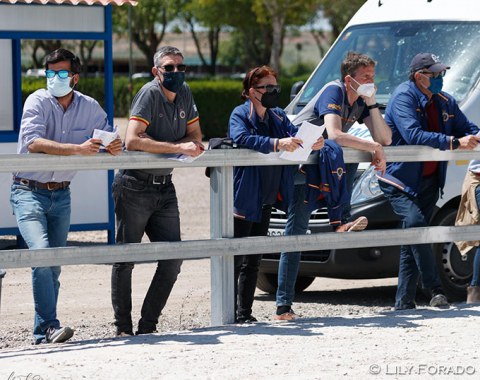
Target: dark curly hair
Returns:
[61, 55]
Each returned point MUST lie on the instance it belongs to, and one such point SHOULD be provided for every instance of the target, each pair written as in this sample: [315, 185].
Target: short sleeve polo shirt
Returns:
[166, 121]
[334, 100]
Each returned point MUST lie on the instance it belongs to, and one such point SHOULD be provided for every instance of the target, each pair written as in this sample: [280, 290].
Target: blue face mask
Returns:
[436, 84]
[59, 87]
[173, 80]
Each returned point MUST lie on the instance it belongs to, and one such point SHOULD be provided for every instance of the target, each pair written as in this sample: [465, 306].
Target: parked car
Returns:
[392, 32]
[141, 75]
[35, 73]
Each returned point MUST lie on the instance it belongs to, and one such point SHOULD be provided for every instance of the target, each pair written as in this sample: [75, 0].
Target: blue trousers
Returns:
[416, 260]
[43, 218]
[297, 224]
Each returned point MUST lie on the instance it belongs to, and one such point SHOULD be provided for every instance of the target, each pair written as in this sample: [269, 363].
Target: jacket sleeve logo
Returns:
[334, 107]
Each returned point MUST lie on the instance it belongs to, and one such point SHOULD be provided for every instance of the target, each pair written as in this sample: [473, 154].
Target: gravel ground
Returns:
[346, 329]
[84, 302]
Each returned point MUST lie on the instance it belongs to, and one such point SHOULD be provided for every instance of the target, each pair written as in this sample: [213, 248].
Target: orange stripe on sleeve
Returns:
[138, 118]
[193, 120]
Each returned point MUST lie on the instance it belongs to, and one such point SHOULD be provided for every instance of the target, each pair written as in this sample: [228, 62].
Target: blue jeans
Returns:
[476, 260]
[297, 224]
[43, 218]
[152, 209]
[415, 260]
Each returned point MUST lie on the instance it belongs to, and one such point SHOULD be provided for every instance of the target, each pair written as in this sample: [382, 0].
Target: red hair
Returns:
[254, 76]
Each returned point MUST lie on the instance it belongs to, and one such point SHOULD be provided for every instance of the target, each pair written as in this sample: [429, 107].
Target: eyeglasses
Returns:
[170, 68]
[61, 73]
[269, 88]
[433, 75]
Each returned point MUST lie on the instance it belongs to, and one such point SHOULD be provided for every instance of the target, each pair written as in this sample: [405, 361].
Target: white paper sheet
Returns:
[309, 133]
[106, 137]
[183, 157]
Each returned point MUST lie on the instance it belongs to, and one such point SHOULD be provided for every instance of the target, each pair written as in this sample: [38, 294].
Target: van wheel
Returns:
[268, 283]
[454, 269]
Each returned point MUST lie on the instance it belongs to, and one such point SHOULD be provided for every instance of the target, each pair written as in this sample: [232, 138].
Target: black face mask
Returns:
[173, 80]
[270, 99]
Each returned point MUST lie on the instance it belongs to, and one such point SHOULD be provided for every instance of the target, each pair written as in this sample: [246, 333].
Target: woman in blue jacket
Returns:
[260, 125]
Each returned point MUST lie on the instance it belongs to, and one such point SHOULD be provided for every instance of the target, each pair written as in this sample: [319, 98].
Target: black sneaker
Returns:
[246, 319]
[405, 306]
[124, 333]
[60, 335]
[142, 332]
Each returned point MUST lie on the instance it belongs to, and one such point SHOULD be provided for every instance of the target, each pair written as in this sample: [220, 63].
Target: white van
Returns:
[392, 32]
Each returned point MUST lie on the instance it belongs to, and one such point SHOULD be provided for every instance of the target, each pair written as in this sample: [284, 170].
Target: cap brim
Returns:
[437, 67]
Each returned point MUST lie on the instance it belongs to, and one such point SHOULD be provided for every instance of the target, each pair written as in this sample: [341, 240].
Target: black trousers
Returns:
[246, 266]
[152, 209]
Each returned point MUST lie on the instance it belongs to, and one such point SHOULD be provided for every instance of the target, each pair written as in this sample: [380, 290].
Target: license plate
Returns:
[280, 232]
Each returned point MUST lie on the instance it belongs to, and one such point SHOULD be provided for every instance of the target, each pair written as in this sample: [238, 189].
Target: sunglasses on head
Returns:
[269, 88]
[170, 68]
[61, 73]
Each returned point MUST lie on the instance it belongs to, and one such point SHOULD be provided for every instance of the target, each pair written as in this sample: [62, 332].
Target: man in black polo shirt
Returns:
[164, 119]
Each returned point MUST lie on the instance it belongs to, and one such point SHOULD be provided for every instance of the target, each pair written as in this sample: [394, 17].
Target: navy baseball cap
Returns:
[427, 61]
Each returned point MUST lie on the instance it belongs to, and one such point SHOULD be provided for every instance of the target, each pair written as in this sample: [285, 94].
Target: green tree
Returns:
[338, 13]
[250, 39]
[86, 52]
[200, 13]
[39, 49]
[280, 14]
[149, 22]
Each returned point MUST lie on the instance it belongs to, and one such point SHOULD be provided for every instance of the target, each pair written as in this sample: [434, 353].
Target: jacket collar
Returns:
[253, 117]
[423, 99]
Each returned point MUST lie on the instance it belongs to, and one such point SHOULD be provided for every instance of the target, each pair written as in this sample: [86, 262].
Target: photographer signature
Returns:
[30, 376]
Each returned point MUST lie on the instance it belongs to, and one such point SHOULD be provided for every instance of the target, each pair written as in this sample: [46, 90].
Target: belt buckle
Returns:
[162, 182]
[51, 186]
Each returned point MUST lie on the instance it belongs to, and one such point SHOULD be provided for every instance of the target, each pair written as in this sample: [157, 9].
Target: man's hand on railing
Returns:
[379, 160]
[469, 142]
[115, 147]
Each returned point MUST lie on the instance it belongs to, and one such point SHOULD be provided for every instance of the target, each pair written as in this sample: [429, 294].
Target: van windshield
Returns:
[393, 45]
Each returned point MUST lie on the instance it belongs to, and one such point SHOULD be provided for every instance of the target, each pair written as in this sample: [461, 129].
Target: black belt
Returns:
[148, 178]
[34, 185]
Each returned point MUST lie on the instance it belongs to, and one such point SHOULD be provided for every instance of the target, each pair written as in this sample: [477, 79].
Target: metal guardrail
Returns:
[222, 247]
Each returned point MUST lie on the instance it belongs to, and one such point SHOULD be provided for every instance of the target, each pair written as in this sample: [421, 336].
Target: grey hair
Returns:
[163, 52]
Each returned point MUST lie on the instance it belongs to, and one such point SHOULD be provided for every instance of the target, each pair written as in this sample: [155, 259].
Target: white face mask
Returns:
[366, 89]
[59, 87]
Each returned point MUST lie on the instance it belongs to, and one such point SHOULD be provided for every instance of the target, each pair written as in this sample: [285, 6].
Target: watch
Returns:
[455, 143]
[376, 105]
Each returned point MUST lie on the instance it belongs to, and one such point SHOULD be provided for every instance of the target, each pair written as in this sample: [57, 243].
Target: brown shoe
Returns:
[288, 316]
[358, 224]
[473, 294]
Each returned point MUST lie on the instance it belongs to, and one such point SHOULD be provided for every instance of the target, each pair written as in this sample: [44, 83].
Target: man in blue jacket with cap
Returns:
[419, 113]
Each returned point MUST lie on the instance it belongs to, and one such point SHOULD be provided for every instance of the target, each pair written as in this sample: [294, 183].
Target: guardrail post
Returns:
[221, 225]
[2, 275]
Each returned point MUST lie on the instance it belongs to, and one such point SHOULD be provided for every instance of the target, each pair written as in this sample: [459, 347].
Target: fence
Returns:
[222, 247]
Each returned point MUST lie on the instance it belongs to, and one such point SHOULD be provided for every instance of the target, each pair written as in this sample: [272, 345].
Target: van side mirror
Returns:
[297, 86]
